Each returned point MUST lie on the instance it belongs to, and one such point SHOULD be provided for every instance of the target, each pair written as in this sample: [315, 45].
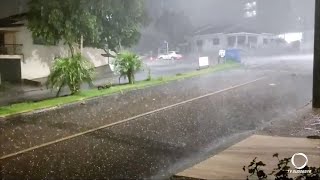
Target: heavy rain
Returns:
[159, 89]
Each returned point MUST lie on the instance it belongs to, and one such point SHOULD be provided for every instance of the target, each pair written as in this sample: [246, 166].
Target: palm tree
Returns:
[71, 72]
[127, 63]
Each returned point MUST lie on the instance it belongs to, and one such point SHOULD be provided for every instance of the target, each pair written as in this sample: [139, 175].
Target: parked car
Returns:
[172, 55]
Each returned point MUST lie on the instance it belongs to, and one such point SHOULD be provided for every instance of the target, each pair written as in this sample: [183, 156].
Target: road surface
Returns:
[155, 132]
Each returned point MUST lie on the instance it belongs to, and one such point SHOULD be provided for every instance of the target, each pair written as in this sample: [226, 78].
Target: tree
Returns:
[150, 40]
[175, 25]
[101, 23]
[121, 27]
[66, 20]
[71, 72]
[127, 63]
[106, 24]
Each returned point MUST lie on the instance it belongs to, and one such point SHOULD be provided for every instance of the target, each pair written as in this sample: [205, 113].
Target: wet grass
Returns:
[19, 108]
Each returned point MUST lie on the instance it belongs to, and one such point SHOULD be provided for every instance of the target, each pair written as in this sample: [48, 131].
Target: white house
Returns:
[22, 57]
[211, 39]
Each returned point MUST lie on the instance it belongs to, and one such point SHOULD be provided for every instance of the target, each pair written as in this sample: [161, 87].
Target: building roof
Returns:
[13, 21]
[226, 29]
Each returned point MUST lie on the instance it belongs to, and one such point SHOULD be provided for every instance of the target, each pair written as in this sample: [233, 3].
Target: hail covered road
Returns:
[155, 132]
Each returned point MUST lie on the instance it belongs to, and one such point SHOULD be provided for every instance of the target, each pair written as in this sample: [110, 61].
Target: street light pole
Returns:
[316, 58]
[167, 46]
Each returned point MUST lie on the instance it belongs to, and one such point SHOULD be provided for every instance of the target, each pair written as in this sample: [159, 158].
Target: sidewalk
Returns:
[228, 164]
[285, 135]
[25, 93]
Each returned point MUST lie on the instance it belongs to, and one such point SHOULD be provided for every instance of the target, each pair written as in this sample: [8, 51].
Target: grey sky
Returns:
[11, 7]
[272, 13]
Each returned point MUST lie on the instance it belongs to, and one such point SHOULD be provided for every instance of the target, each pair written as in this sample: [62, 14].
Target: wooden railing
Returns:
[11, 49]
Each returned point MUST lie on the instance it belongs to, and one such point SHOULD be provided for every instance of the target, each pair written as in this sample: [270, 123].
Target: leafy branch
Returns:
[255, 170]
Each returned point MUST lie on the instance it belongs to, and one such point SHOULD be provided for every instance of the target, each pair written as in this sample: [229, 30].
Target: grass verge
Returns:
[19, 108]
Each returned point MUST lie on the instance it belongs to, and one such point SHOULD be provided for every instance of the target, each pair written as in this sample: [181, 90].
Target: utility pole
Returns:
[316, 58]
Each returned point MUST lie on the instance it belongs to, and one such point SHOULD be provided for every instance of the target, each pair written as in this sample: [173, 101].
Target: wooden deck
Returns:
[229, 163]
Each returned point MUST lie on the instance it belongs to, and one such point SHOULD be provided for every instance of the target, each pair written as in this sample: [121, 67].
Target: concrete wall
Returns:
[37, 59]
[208, 45]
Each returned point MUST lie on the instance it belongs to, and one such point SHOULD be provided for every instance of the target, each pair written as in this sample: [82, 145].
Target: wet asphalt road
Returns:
[160, 68]
[160, 144]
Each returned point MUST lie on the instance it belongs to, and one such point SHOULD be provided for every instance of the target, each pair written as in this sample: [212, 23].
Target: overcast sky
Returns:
[11, 7]
[202, 12]
[272, 14]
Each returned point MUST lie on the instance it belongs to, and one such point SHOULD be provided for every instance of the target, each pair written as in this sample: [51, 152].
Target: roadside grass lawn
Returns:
[19, 108]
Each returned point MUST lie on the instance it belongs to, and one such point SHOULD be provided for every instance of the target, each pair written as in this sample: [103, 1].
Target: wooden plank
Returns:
[228, 164]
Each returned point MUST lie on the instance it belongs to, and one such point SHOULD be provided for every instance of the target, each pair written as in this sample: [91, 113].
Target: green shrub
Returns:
[71, 72]
[127, 63]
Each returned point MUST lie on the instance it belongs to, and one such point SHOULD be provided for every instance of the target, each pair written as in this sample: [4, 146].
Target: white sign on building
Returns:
[222, 53]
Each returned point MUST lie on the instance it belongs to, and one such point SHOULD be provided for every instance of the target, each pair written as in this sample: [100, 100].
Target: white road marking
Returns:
[126, 120]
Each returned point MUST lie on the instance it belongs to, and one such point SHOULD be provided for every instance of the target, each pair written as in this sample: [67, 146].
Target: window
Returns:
[231, 41]
[241, 40]
[216, 41]
[253, 39]
[3, 50]
[199, 43]
[1, 38]
[41, 41]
